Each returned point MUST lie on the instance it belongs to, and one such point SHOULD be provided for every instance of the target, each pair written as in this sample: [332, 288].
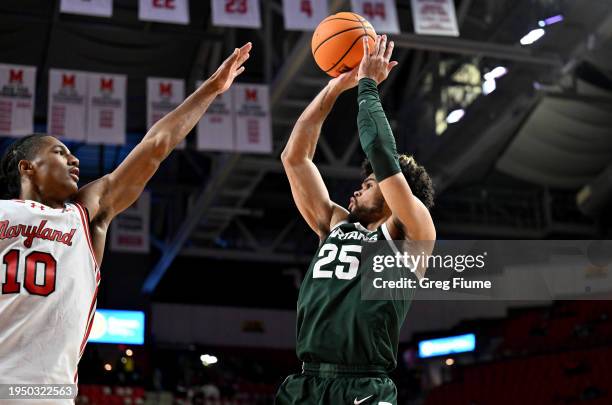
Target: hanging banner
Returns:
[17, 89]
[304, 14]
[253, 126]
[435, 17]
[67, 106]
[163, 96]
[130, 229]
[106, 109]
[382, 14]
[236, 13]
[216, 129]
[169, 11]
[100, 8]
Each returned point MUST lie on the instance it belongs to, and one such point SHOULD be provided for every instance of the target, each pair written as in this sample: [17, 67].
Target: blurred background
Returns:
[512, 119]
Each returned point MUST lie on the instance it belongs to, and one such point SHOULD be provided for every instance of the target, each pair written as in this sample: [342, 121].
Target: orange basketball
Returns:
[336, 43]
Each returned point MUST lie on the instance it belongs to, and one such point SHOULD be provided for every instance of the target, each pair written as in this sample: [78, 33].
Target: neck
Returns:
[35, 195]
[372, 226]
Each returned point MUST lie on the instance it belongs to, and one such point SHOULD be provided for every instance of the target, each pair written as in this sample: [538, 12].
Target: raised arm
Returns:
[410, 217]
[307, 187]
[113, 193]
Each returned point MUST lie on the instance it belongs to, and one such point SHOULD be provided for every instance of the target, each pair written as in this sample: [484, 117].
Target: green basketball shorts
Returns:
[333, 384]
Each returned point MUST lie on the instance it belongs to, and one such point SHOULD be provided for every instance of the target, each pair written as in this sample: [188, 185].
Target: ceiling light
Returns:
[455, 116]
[488, 86]
[496, 73]
[532, 36]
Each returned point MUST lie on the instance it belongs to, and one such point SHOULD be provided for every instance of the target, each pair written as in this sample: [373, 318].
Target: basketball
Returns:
[336, 43]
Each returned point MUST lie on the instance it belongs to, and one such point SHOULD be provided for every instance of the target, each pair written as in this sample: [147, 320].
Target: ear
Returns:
[25, 167]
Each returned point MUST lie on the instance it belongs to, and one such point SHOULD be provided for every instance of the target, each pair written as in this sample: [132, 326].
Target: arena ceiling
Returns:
[512, 167]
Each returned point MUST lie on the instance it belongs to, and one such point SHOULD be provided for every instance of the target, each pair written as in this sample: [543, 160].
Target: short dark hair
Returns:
[417, 177]
[10, 179]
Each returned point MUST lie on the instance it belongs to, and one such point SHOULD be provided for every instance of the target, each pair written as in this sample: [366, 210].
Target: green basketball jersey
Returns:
[334, 325]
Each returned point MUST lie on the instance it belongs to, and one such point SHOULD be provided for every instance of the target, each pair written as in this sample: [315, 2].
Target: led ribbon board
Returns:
[122, 327]
[447, 345]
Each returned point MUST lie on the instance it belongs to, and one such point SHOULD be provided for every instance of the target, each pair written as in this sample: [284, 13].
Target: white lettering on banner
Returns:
[253, 126]
[216, 129]
[236, 13]
[304, 14]
[382, 14]
[100, 8]
[435, 17]
[170, 11]
[106, 104]
[67, 105]
[130, 230]
[17, 89]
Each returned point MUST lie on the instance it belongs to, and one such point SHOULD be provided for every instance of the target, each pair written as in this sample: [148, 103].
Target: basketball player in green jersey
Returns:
[348, 345]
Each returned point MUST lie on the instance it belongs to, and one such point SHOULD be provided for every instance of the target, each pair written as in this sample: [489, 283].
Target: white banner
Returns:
[67, 105]
[170, 11]
[130, 230]
[382, 14]
[304, 14]
[253, 126]
[163, 96]
[17, 89]
[216, 128]
[236, 13]
[434, 17]
[101, 8]
[106, 109]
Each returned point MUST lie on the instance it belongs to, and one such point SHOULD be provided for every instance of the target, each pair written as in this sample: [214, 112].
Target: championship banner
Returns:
[163, 96]
[382, 14]
[169, 11]
[253, 126]
[130, 230]
[435, 17]
[17, 88]
[304, 14]
[100, 8]
[216, 129]
[106, 109]
[67, 106]
[236, 13]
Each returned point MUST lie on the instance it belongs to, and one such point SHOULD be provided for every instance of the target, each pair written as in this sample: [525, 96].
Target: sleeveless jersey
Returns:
[334, 324]
[48, 286]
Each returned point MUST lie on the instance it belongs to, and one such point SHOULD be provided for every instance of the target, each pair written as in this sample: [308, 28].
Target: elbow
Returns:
[289, 158]
[160, 147]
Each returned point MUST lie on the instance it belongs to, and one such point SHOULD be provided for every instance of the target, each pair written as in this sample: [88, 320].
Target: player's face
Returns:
[367, 204]
[55, 171]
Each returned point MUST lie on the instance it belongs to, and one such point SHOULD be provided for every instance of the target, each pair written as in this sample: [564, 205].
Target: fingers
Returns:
[377, 45]
[383, 46]
[366, 46]
[391, 65]
[389, 51]
[240, 70]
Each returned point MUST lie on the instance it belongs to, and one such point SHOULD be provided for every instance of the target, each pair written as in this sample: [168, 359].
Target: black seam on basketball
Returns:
[348, 50]
[341, 18]
[336, 34]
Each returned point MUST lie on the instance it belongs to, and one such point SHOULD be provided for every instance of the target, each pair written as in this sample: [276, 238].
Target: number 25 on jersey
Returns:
[347, 255]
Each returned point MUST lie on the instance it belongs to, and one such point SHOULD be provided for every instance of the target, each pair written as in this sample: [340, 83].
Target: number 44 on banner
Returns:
[382, 14]
[304, 14]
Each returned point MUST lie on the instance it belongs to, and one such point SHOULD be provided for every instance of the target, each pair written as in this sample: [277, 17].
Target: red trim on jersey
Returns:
[84, 217]
[90, 318]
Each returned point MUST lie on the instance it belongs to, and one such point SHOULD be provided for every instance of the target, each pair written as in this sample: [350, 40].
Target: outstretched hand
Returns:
[345, 81]
[231, 67]
[376, 64]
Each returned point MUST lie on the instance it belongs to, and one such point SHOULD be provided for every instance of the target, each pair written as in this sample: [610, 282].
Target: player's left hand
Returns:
[231, 67]
[345, 81]
[376, 64]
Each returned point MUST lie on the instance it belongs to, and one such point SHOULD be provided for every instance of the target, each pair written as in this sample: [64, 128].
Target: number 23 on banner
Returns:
[304, 14]
[236, 13]
[382, 14]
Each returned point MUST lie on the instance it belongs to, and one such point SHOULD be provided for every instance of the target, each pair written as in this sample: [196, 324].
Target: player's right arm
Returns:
[307, 187]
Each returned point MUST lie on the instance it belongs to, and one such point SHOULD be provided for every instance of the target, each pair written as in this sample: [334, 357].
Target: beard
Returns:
[366, 215]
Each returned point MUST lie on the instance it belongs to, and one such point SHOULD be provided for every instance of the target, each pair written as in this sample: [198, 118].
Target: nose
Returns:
[73, 161]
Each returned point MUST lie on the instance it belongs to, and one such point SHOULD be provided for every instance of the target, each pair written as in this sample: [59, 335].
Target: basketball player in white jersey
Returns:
[52, 237]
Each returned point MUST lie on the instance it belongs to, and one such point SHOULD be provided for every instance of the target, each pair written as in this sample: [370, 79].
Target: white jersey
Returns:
[48, 286]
